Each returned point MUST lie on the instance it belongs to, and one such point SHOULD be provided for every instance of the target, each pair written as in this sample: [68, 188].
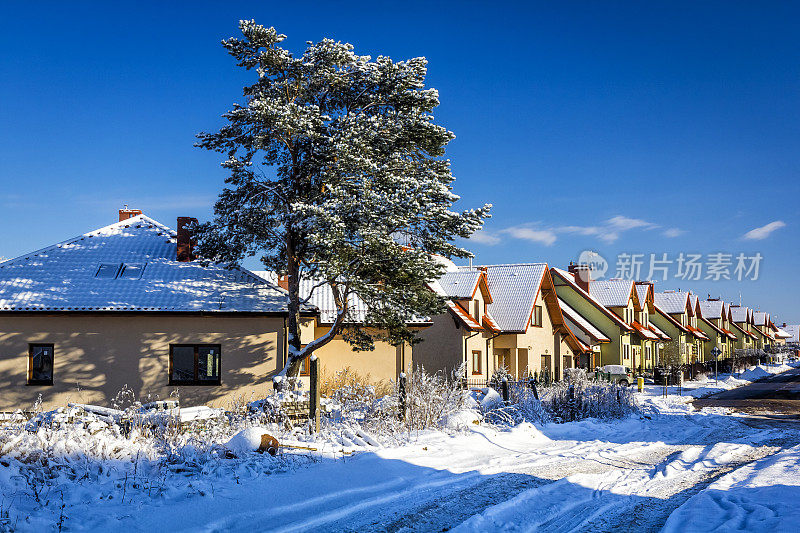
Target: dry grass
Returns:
[350, 379]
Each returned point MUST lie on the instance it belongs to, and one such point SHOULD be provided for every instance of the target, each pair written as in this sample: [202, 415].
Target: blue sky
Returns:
[615, 127]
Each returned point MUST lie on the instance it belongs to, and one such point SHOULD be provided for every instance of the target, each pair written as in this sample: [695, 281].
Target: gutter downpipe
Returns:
[487, 351]
[465, 351]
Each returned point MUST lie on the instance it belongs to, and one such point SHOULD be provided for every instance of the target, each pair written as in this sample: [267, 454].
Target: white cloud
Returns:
[609, 231]
[545, 236]
[624, 223]
[763, 232]
[673, 232]
[484, 237]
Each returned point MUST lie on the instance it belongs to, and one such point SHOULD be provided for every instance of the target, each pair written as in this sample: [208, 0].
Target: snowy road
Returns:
[586, 476]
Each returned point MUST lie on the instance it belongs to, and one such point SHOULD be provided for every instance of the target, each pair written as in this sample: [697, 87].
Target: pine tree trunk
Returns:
[295, 344]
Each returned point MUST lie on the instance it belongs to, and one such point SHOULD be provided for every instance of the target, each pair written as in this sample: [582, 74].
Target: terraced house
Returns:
[507, 316]
[651, 338]
[677, 317]
[715, 321]
[742, 322]
[764, 329]
[465, 333]
[604, 330]
[533, 335]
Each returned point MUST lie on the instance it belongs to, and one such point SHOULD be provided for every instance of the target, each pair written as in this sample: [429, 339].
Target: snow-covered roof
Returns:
[659, 332]
[782, 334]
[513, 289]
[712, 309]
[575, 320]
[671, 301]
[570, 278]
[129, 266]
[739, 313]
[641, 291]
[760, 318]
[320, 296]
[456, 309]
[794, 331]
[461, 283]
[612, 292]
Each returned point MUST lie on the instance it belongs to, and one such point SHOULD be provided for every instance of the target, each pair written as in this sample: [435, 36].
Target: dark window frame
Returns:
[196, 381]
[41, 382]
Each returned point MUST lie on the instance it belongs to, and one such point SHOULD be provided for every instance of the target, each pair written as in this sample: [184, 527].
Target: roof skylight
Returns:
[131, 270]
[107, 271]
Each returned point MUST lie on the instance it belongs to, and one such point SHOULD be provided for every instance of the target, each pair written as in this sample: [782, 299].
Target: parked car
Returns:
[621, 375]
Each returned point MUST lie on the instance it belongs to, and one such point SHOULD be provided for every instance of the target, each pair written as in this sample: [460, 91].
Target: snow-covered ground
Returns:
[708, 385]
[690, 470]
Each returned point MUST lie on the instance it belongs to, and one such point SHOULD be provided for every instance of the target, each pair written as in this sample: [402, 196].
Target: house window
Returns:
[648, 353]
[194, 364]
[536, 317]
[476, 361]
[503, 359]
[626, 351]
[476, 310]
[40, 364]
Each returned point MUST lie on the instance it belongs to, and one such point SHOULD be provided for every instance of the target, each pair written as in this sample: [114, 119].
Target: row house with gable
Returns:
[764, 329]
[465, 333]
[742, 322]
[500, 316]
[715, 321]
[676, 315]
[605, 331]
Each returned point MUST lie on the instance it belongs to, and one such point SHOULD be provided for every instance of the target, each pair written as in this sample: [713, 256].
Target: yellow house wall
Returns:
[95, 356]
[383, 363]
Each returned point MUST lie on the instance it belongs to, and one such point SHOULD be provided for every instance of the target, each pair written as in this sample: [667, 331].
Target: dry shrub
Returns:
[349, 379]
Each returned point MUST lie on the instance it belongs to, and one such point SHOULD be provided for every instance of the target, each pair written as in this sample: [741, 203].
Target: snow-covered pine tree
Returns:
[337, 174]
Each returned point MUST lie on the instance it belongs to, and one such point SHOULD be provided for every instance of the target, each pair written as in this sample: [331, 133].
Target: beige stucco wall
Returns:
[384, 363]
[95, 356]
[442, 347]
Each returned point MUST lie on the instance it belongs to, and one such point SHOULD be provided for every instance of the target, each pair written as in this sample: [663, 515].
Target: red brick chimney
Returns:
[125, 213]
[185, 243]
[283, 282]
[583, 275]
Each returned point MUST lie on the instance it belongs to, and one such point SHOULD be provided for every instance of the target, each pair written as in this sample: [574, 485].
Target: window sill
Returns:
[39, 384]
[195, 383]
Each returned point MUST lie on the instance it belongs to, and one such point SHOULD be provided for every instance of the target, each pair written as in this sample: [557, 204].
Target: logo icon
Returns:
[598, 266]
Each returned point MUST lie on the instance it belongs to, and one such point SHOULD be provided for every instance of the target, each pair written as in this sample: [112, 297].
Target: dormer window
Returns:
[107, 271]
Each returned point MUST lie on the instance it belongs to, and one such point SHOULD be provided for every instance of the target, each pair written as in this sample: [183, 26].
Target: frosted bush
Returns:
[574, 398]
[432, 398]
